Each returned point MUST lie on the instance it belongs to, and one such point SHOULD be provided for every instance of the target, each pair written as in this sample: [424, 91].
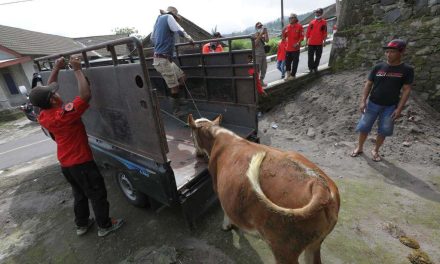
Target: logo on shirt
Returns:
[389, 74]
[68, 107]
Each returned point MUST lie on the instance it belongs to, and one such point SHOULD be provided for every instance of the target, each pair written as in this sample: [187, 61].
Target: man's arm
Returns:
[175, 27]
[53, 77]
[367, 88]
[403, 99]
[324, 33]
[265, 35]
[83, 84]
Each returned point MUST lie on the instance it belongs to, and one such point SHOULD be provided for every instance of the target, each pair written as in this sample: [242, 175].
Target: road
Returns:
[19, 151]
[273, 74]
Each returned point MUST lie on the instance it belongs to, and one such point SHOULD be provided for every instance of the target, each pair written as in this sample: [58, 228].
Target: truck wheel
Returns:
[133, 196]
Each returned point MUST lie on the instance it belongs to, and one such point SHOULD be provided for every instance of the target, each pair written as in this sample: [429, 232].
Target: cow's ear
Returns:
[218, 120]
[191, 121]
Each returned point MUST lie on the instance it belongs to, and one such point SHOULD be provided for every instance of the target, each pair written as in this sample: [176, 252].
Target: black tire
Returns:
[127, 188]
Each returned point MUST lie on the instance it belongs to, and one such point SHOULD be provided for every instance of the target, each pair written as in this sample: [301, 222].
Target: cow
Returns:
[280, 195]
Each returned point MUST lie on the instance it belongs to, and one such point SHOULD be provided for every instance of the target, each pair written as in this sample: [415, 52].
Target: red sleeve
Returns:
[205, 48]
[73, 111]
[324, 32]
[309, 30]
[259, 87]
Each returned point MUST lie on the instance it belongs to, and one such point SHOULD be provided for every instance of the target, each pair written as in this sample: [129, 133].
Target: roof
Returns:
[26, 42]
[94, 40]
[329, 12]
[196, 32]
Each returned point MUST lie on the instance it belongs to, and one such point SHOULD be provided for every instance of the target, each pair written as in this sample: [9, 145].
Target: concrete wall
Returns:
[364, 26]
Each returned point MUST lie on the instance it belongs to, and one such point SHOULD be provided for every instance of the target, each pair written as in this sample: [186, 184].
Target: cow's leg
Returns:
[284, 254]
[226, 226]
[312, 254]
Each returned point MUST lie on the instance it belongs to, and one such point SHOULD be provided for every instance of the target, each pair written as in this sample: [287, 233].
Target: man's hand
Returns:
[75, 62]
[59, 63]
[396, 114]
[362, 107]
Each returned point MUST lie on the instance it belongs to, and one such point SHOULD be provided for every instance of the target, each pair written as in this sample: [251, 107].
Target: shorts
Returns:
[372, 112]
[170, 72]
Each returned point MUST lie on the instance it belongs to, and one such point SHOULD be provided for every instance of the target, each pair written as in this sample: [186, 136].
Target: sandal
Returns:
[355, 154]
[376, 156]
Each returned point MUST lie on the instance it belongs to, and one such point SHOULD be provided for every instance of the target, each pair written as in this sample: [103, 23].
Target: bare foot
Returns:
[376, 156]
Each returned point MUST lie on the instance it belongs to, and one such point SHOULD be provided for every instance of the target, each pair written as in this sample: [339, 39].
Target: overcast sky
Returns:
[81, 18]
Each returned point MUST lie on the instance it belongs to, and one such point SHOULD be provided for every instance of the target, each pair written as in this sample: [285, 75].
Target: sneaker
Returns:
[81, 230]
[116, 224]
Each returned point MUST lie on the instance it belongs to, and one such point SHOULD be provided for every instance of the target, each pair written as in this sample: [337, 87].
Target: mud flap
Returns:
[196, 199]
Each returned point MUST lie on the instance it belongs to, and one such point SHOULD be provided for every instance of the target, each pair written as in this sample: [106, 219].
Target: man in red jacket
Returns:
[315, 38]
[73, 150]
[294, 34]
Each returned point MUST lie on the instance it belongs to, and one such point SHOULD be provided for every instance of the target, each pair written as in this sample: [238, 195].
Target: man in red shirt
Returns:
[63, 121]
[315, 38]
[214, 46]
[294, 34]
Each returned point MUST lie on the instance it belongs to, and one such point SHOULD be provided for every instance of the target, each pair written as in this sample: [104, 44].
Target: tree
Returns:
[125, 31]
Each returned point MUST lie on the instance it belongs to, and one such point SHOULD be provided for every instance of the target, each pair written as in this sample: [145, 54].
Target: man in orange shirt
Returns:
[294, 34]
[316, 36]
[213, 46]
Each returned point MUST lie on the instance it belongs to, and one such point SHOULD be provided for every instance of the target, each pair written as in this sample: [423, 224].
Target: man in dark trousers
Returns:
[163, 38]
[73, 150]
[315, 38]
[294, 35]
[387, 90]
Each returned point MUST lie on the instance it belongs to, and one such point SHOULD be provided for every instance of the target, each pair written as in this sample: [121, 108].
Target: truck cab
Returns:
[130, 124]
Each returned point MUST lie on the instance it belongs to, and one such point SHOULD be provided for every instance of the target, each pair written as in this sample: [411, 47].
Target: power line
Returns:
[15, 2]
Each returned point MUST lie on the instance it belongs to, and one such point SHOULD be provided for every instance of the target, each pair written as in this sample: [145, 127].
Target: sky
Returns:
[82, 18]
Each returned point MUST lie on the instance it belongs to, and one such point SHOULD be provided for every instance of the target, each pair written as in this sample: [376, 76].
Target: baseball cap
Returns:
[319, 10]
[292, 15]
[40, 95]
[397, 44]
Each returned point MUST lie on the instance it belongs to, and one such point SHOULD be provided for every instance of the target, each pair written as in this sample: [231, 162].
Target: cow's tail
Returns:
[253, 174]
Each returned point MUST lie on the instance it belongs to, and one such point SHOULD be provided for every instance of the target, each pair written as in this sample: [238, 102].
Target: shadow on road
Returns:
[401, 178]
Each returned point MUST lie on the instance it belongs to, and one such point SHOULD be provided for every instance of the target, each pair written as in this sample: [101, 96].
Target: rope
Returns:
[186, 88]
[172, 116]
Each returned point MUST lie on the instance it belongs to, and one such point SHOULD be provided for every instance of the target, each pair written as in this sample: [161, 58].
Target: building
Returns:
[18, 49]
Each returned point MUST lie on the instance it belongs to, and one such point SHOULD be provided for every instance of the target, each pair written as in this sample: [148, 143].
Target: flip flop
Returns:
[376, 157]
[355, 154]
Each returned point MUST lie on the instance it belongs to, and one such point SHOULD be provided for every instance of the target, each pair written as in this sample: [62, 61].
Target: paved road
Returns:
[273, 74]
[25, 149]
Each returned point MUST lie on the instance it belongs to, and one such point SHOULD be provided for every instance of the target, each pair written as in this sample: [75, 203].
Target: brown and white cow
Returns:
[280, 195]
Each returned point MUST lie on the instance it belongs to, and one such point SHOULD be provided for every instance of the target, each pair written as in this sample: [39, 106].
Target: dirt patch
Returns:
[380, 201]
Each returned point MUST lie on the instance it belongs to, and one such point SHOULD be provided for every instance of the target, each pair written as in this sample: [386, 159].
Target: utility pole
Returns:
[282, 15]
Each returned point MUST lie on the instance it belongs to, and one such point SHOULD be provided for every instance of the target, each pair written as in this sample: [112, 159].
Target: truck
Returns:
[130, 128]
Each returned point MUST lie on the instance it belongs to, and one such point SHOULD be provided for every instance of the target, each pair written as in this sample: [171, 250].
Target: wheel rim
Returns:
[126, 186]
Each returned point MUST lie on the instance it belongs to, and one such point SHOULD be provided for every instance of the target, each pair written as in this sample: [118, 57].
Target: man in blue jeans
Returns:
[387, 90]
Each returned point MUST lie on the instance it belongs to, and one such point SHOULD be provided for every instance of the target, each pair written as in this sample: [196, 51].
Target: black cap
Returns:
[396, 44]
[217, 35]
[40, 95]
[319, 10]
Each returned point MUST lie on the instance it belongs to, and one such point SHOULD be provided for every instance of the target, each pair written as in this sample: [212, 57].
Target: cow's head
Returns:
[202, 133]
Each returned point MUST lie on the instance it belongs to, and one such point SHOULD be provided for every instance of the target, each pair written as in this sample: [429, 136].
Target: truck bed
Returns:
[182, 153]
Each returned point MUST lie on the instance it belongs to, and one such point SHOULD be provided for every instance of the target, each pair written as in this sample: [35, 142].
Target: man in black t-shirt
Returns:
[387, 89]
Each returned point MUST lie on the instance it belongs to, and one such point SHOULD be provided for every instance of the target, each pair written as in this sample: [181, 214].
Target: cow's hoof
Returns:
[226, 227]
